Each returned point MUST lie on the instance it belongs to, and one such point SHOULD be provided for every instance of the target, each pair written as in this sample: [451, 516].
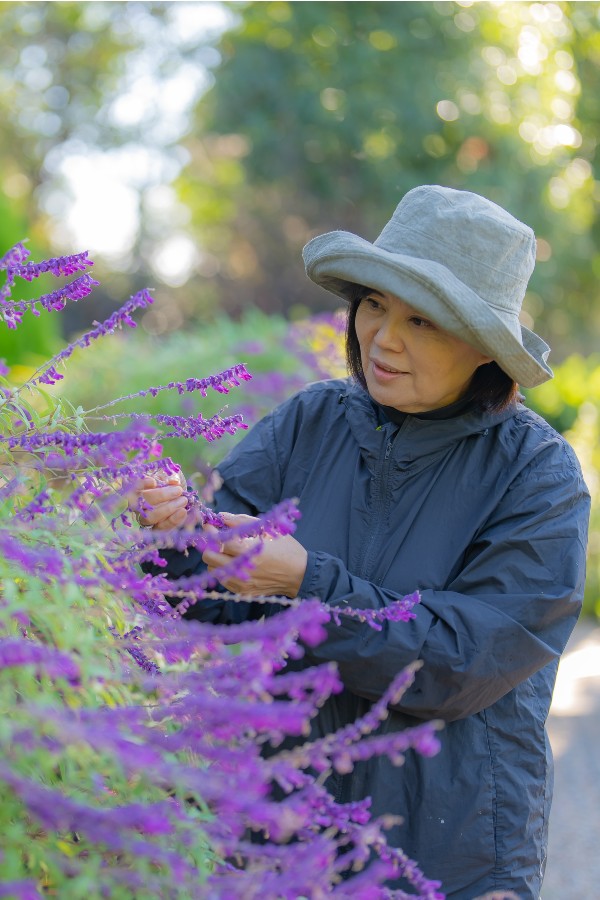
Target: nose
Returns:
[389, 336]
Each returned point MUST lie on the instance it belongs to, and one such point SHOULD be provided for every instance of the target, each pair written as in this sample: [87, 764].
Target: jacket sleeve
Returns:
[508, 613]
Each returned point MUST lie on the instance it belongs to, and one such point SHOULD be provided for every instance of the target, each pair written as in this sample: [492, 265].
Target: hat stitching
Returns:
[503, 309]
[432, 239]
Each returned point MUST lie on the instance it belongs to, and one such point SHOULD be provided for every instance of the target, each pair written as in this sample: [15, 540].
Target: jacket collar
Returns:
[416, 437]
[458, 408]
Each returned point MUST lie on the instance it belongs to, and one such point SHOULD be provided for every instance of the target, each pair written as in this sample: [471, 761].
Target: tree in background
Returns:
[322, 115]
[89, 91]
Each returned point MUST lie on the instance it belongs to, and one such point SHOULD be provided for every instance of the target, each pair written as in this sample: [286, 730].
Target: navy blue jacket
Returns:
[486, 514]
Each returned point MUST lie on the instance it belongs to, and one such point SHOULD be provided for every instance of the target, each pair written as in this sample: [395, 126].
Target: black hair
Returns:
[490, 389]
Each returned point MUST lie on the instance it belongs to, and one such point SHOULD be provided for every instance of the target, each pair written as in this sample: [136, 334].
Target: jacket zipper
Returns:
[379, 506]
[344, 787]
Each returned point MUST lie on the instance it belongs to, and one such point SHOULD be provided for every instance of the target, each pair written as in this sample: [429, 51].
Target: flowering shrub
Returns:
[283, 357]
[132, 743]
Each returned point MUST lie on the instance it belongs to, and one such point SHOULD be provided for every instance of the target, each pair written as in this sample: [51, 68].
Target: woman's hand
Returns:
[163, 501]
[277, 570]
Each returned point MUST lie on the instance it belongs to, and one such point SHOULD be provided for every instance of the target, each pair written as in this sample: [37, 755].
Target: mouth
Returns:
[384, 370]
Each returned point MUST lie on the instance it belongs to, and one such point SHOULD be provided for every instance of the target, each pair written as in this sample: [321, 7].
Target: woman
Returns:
[423, 470]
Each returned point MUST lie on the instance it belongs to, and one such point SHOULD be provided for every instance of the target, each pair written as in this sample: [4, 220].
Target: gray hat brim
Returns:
[340, 260]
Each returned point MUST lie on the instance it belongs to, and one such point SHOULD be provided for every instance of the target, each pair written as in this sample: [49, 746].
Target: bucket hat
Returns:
[457, 258]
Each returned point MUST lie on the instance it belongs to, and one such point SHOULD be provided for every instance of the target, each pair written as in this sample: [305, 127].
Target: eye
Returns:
[372, 303]
[420, 322]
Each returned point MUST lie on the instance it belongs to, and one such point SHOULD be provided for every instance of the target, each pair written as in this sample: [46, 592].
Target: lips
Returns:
[383, 367]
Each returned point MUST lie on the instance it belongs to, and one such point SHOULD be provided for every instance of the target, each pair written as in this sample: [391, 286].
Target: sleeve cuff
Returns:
[306, 587]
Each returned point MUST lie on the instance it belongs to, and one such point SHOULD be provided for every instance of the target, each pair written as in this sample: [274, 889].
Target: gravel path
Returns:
[573, 870]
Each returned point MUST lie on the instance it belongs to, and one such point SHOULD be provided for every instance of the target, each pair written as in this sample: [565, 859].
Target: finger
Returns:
[192, 519]
[214, 560]
[158, 481]
[213, 535]
[233, 519]
[159, 514]
[147, 481]
[163, 479]
[154, 496]
[237, 545]
[177, 520]
[156, 504]
[225, 553]
[133, 493]
[209, 529]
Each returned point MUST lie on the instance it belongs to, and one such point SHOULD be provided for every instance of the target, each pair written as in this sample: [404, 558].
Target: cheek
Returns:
[470, 360]
[363, 337]
[455, 362]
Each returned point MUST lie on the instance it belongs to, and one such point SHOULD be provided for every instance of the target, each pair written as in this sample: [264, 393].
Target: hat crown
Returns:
[479, 242]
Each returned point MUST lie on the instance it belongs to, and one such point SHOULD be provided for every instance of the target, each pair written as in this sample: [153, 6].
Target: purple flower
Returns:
[197, 426]
[138, 654]
[40, 560]
[40, 505]
[119, 318]
[24, 889]
[399, 611]
[116, 445]
[318, 682]
[63, 265]
[188, 427]
[115, 828]
[24, 652]
[342, 748]
[13, 263]
[50, 376]
[13, 311]
[221, 383]
[278, 521]
[14, 257]
[74, 290]
[13, 314]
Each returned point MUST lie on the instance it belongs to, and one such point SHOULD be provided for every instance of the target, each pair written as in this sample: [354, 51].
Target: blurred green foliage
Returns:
[571, 403]
[320, 116]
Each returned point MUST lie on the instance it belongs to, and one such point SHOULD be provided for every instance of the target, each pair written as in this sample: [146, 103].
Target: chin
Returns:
[389, 398]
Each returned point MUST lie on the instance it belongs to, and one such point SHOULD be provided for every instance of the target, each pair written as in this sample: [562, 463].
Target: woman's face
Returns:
[410, 363]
